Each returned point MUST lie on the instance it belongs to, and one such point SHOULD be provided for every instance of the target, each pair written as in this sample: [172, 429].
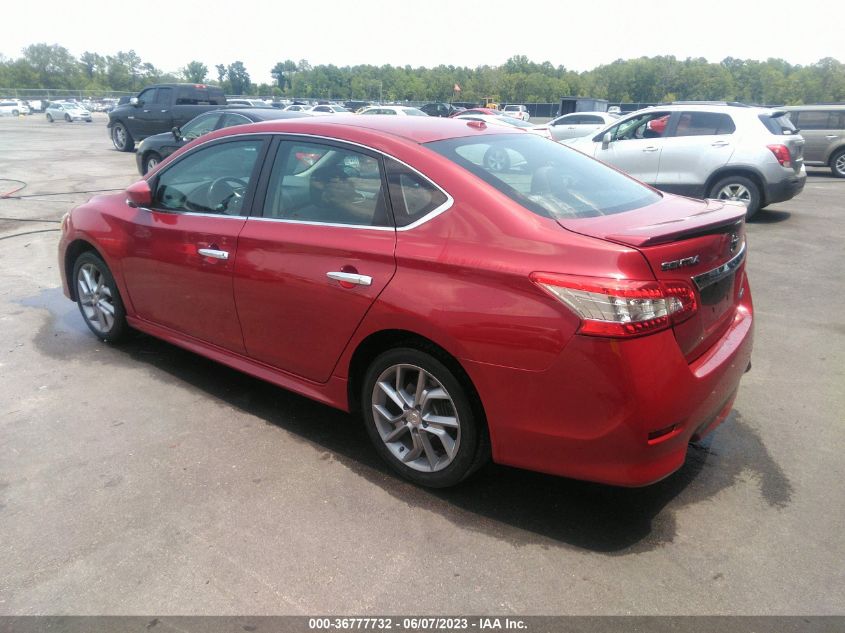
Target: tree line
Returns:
[518, 80]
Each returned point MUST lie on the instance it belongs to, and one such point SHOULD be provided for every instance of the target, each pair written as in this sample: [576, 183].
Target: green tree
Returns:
[238, 78]
[195, 72]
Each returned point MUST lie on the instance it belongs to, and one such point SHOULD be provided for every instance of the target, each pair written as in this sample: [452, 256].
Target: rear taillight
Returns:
[620, 307]
[781, 153]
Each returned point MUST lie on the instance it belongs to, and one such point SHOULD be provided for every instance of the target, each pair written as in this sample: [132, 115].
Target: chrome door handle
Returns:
[650, 148]
[210, 252]
[831, 136]
[720, 144]
[351, 278]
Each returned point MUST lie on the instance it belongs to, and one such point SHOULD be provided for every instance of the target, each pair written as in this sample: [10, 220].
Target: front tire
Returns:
[15, 113]
[150, 160]
[738, 188]
[99, 299]
[422, 419]
[837, 164]
[68, 119]
[49, 119]
[121, 138]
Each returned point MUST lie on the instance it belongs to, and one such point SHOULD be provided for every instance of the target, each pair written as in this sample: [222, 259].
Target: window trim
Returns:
[263, 181]
[249, 197]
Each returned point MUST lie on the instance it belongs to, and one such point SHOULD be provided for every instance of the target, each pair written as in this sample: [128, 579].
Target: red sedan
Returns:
[549, 313]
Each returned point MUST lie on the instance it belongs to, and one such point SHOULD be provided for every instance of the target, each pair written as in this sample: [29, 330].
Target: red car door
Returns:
[181, 253]
[308, 270]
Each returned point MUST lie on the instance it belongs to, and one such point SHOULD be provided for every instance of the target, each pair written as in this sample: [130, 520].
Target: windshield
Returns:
[545, 177]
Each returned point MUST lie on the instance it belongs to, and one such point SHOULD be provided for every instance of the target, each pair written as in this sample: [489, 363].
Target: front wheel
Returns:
[421, 419]
[740, 189]
[99, 299]
[49, 118]
[68, 119]
[150, 160]
[121, 138]
[837, 164]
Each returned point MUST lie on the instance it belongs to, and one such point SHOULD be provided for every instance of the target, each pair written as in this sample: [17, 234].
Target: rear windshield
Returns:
[778, 123]
[545, 177]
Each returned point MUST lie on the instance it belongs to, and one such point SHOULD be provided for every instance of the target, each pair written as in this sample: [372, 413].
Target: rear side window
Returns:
[704, 124]
[200, 95]
[550, 179]
[413, 197]
[818, 120]
[778, 123]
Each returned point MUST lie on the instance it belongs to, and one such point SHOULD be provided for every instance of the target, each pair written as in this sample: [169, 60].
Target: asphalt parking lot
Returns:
[143, 479]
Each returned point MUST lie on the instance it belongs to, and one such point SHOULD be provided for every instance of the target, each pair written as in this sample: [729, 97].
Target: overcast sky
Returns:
[579, 35]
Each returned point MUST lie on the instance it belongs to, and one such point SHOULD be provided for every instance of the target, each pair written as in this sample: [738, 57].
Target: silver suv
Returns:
[823, 129]
[706, 150]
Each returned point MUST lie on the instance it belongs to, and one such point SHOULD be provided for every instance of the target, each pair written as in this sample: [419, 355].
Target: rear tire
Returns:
[15, 113]
[837, 164]
[738, 188]
[68, 119]
[49, 119]
[423, 419]
[121, 138]
[497, 159]
[98, 298]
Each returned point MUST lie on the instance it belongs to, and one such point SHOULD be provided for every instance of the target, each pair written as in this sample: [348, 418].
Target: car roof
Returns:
[360, 128]
[815, 106]
[265, 114]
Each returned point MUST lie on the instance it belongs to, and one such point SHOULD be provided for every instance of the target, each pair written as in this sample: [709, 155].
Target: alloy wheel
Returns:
[839, 164]
[95, 298]
[416, 418]
[736, 192]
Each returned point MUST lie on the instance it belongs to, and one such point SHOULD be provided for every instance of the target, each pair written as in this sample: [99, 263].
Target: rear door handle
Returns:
[350, 278]
[830, 137]
[720, 144]
[650, 148]
[213, 252]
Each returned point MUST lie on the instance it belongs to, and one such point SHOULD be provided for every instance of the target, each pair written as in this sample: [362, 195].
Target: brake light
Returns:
[620, 307]
[781, 153]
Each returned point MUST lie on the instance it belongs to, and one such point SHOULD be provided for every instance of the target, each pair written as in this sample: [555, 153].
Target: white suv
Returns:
[13, 107]
[517, 112]
[706, 150]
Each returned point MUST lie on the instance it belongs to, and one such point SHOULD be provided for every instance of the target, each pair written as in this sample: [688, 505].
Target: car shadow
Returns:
[517, 506]
[770, 216]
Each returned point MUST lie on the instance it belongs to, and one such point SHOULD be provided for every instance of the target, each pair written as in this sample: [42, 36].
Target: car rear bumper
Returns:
[785, 189]
[613, 411]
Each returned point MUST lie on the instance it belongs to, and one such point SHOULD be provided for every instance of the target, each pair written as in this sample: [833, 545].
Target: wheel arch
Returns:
[833, 151]
[72, 253]
[383, 340]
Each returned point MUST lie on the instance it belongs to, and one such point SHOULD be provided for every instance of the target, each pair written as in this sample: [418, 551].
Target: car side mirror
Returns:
[139, 195]
[177, 133]
[134, 101]
[605, 140]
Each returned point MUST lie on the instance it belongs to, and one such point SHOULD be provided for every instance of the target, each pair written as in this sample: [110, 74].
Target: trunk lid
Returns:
[699, 243]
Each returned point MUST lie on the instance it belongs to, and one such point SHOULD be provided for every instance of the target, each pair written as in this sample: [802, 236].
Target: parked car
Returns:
[329, 109]
[725, 151]
[823, 129]
[487, 111]
[153, 149]
[355, 106]
[577, 124]
[516, 111]
[70, 112]
[497, 158]
[393, 110]
[159, 108]
[248, 103]
[440, 109]
[298, 107]
[562, 317]
[13, 107]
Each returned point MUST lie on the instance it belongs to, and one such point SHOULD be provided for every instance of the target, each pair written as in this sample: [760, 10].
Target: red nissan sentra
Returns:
[475, 292]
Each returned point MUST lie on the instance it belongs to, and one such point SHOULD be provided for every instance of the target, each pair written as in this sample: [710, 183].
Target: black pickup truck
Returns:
[160, 108]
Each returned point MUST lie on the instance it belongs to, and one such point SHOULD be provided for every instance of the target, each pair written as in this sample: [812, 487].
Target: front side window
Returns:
[550, 179]
[704, 124]
[317, 183]
[211, 179]
[148, 96]
[203, 124]
[647, 125]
